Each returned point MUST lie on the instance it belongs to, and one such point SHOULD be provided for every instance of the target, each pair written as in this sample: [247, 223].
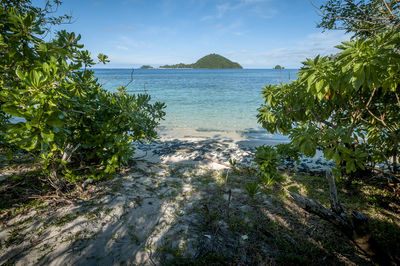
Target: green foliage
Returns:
[346, 105]
[267, 179]
[180, 65]
[279, 67]
[4, 119]
[288, 152]
[211, 61]
[64, 115]
[363, 18]
[215, 61]
[146, 67]
[267, 159]
[252, 189]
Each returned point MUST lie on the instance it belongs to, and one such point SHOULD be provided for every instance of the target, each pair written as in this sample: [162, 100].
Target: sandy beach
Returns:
[153, 204]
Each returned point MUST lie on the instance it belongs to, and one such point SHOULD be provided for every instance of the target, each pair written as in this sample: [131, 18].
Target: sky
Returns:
[254, 33]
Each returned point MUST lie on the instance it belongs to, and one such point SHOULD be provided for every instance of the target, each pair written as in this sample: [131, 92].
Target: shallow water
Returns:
[205, 101]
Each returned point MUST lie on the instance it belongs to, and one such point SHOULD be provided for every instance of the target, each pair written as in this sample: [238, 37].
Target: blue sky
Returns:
[255, 33]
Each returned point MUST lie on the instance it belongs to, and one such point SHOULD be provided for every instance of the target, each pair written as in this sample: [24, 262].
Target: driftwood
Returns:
[356, 227]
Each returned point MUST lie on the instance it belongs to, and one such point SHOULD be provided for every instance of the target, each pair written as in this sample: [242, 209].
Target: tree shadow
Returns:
[184, 204]
[365, 196]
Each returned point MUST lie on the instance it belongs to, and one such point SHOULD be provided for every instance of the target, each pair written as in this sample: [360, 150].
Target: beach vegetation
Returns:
[349, 105]
[267, 159]
[252, 189]
[288, 151]
[60, 113]
[360, 18]
[279, 67]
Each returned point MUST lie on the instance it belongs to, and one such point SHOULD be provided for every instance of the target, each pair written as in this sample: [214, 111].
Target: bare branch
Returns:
[320, 10]
[335, 204]
[379, 119]
[358, 20]
[370, 98]
[387, 7]
[131, 79]
[319, 119]
[397, 97]
[69, 150]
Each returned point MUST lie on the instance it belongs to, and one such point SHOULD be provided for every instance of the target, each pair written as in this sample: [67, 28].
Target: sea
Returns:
[218, 103]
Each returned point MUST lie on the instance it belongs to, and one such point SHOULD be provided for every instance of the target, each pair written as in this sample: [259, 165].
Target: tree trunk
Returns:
[395, 154]
[55, 180]
[356, 227]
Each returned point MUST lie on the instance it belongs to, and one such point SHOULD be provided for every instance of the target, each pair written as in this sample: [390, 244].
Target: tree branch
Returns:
[320, 10]
[356, 227]
[397, 97]
[319, 119]
[388, 9]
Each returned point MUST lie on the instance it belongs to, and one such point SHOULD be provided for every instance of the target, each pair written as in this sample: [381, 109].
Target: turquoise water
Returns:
[212, 100]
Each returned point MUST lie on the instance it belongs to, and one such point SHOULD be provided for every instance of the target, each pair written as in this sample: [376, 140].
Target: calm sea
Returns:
[219, 101]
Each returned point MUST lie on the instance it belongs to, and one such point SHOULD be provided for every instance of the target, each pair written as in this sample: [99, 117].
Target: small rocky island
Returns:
[211, 61]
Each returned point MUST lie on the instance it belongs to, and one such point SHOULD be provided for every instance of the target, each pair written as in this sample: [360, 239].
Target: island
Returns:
[279, 67]
[211, 61]
[146, 67]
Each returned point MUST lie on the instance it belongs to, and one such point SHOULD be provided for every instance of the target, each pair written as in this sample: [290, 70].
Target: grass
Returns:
[132, 236]
[292, 235]
[61, 221]
[15, 236]
[374, 200]
[277, 231]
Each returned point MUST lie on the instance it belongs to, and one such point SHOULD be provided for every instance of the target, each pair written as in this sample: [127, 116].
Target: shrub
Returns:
[65, 117]
[346, 105]
[267, 158]
[288, 152]
[252, 189]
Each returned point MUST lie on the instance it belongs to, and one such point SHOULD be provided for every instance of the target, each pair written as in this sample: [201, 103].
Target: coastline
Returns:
[215, 149]
[252, 137]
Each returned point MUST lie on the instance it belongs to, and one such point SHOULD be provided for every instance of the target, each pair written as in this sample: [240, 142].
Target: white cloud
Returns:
[208, 17]
[131, 43]
[122, 47]
[222, 9]
[125, 27]
[254, 1]
[295, 53]
[239, 33]
[120, 28]
[252, 6]
[326, 39]
[127, 2]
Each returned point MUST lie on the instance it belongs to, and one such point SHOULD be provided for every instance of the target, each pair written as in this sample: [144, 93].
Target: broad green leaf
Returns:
[12, 109]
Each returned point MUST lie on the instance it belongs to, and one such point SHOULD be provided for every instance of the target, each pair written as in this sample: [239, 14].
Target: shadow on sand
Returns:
[181, 203]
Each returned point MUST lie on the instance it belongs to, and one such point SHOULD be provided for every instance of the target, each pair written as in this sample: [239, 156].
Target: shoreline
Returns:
[252, 136]
[157, 203]
[216, 152]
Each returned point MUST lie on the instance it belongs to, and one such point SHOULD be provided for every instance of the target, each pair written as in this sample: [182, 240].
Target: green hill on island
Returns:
[211, 61]
[146, 67]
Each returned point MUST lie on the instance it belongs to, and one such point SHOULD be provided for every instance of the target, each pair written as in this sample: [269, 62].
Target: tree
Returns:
[346, 105]
[278, 67]
[360, 17]
[77, 128]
